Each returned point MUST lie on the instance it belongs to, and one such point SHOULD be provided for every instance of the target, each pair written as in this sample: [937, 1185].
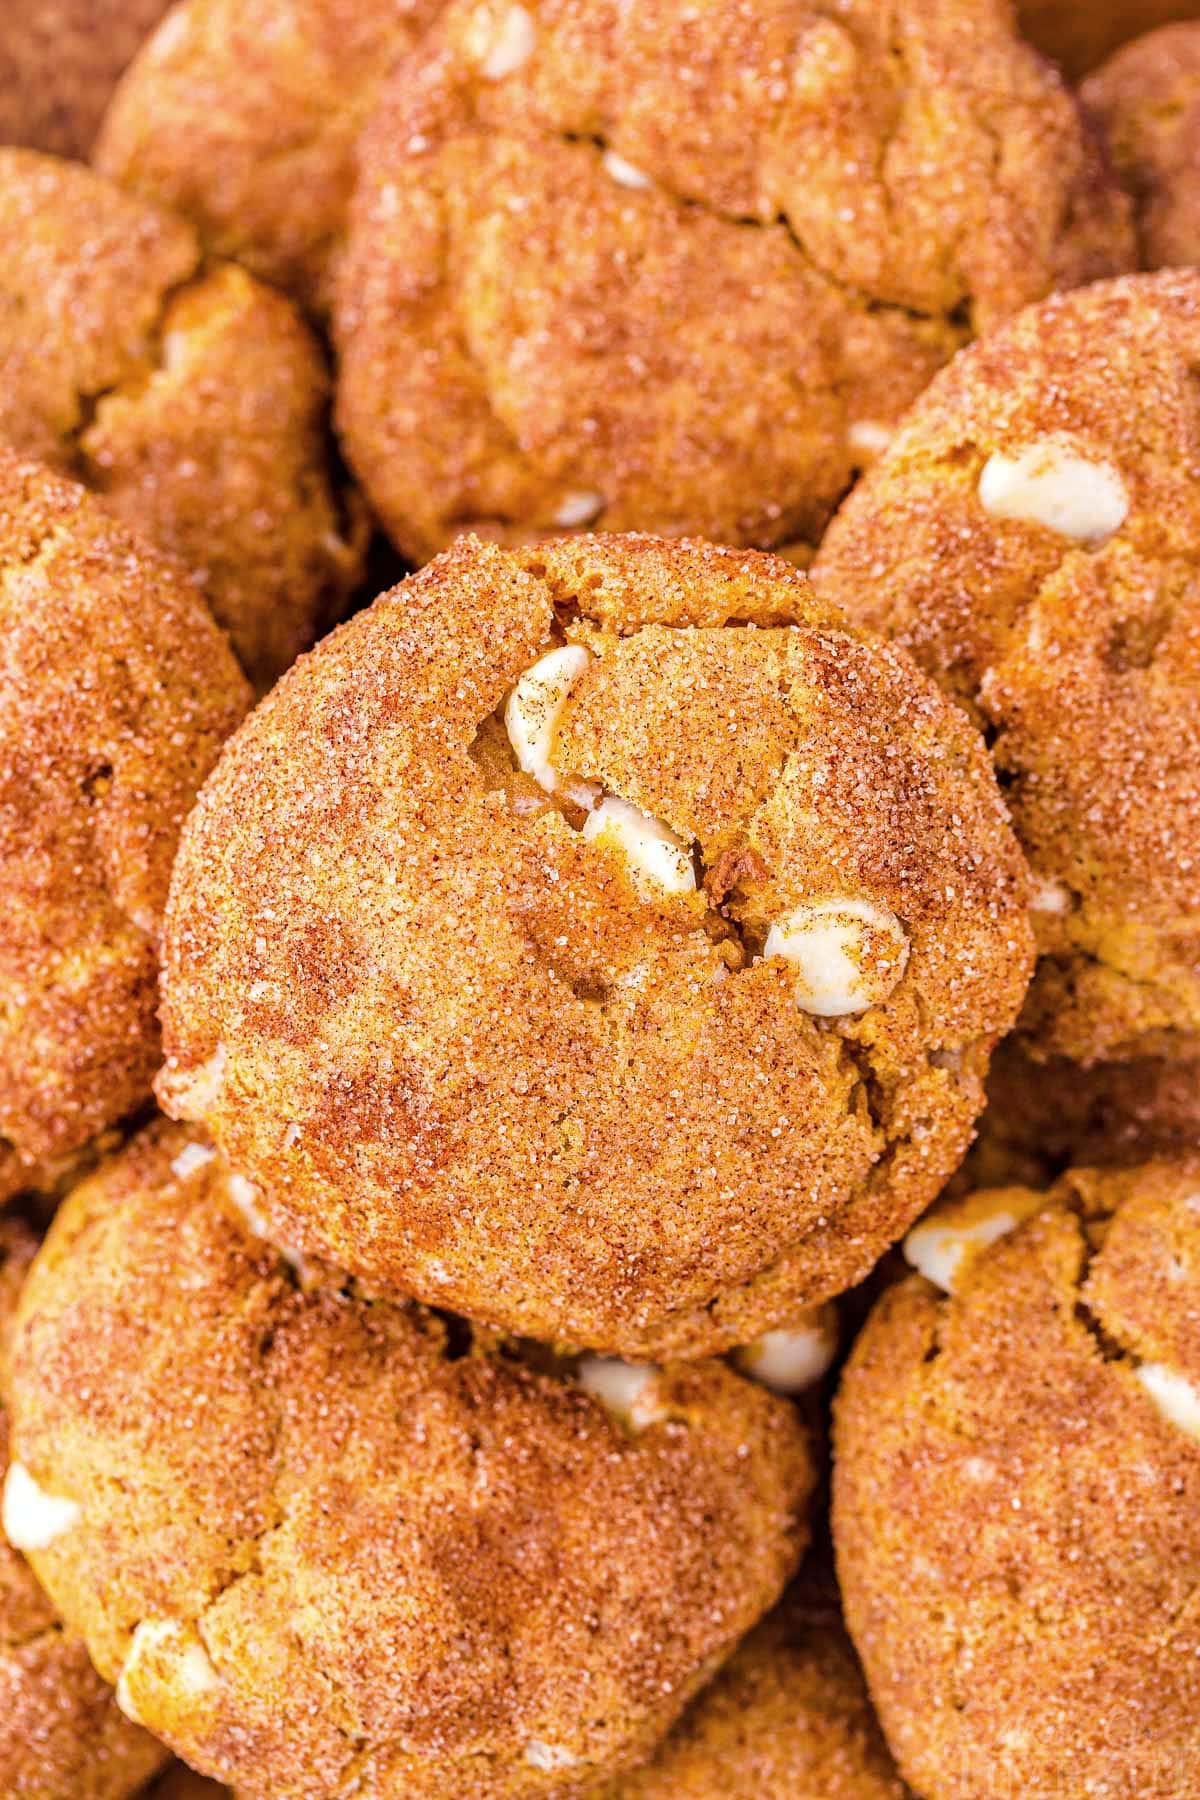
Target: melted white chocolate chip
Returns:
[1174, 1396]
[625, 1389]
[945, 1242]
[792, 1359]
[579, 508]
[626, 174]
[191, 1158]
[1050, 484]
[849, 954]
[183, 1663]
[34, 1519]
[535, 707]
[500, 44]
[660, 862]
[541, 1755]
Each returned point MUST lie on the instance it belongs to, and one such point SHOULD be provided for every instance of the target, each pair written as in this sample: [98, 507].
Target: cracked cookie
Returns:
[1017, 1493]
[59, 63]
[1033, 537]
[61, 1735]
[325, 1543]
[1147, 98]
[1081, 33]
[681, 268]
[116, 692]
[244, 114]
[601, 939]
[189, 396]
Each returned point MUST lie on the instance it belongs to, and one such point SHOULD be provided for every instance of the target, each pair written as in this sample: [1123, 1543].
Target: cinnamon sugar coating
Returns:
[59, 63]
[243, 115]
[191, 397]
[332, 1544]
[116, 692]
[1147, 98]
[682, 268]
[468, 1052]
[61, 1736]
[1079, 654]
[1016, 1513]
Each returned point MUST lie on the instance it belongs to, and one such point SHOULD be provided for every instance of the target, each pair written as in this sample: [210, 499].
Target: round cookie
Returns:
[243, 115]
[1147, 97]
[1017, 1492]
[681, 268]
[326, 1542]
[61, 1735]
[190, 396]
[1081, 33]
[59, 63]
[599, 939]
[1031, 536]
[116, 692]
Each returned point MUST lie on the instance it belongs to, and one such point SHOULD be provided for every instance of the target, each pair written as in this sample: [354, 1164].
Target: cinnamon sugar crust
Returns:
[682, 268]
[469, 1051]
[59, 63]
[1147, 98]
[189, 396]
[332, 1544]
[1073, 637]
[1016, 1496]
[116, 693]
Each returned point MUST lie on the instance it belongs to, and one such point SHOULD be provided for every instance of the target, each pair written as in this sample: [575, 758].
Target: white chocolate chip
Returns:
[791, 1360]
[944, 1243]
[541, 1755]
[34, 1519]
[1050, 484]
[625, 1389]
[502, 45]
[661, 863]
[1051, 897]
[191, 1158]
[193, 1096]
[244, 1196]
[535, 707]
[868, 438]
[627, 174]
[579, 509]
[1174, 1396]
[184, 1664]
[849, 954]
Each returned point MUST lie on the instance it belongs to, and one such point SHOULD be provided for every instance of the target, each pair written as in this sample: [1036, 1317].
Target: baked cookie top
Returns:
[116, 692]
[1017, 1492]
[679, 267]
[602, 939]
[59, 63]
[191, 397]
[1147, 98]
[243, 115]
[327, 1543]
[1032, 536]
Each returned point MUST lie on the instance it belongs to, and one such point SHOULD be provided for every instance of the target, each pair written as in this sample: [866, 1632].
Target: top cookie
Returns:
[59, 63]
[681, 267]
[645, 1054]
[1032, 535]
[1148, 100]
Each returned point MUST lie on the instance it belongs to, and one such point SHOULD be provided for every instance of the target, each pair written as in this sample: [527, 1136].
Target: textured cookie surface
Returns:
[330, 1544]
[1033, 537]
[1147, 98]
[59, 62]
[681, 268]
[243, 115]
[189, 396]
[61, 1735]
[646, 1063]
[116, 692]
[1016, 1497]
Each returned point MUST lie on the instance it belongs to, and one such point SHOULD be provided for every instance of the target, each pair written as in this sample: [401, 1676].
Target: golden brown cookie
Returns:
[59, 63]
[326, 1543]
[191, 397]
[1033, 536]
[599, 939]
[61, 1735]
[1147, 98]
[1081, 33]
[680, 267]
[1017, 1493]
[243, 115]
[116, 692]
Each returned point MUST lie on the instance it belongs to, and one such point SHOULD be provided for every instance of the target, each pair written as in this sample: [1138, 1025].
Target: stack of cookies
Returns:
[600, 900]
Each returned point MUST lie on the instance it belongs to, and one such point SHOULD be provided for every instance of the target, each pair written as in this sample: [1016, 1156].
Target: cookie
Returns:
[243, 115]
[599, 939]
[322, 1541]
[1017, 1493]
[59, 63]
[1079, 34]
[190, 396]
[116, 692]
[681, 268]
[61, 1735]
[1032, 536]
[1147, 98]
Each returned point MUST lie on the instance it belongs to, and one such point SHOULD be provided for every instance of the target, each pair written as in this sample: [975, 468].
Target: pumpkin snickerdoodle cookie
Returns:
[189, 396]
[1017, 1492]
[1033, 537]
[681, 268]
[116, 692]
[600, 939]
[328, 1544]
[1147, 97]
